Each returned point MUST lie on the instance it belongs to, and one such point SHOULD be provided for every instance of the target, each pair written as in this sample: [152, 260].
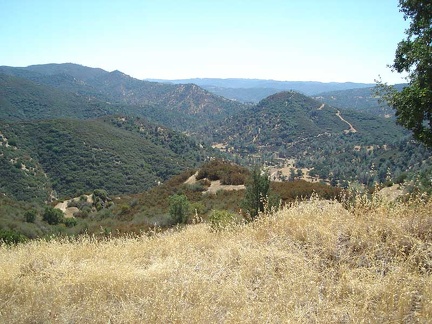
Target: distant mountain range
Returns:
[253, 90]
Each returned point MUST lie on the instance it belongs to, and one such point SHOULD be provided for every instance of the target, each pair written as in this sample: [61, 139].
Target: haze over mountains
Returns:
[253, 90]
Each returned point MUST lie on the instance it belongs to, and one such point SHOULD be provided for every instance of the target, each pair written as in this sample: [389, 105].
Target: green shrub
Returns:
[81, 214]
[257, 193]
[101, 199]
[222, 219]
[53, 216]
[226, 172]
[70, 222]
[30, 216]
[197, 187]
[11, 237]
[124, 209]
[103, 214]
[179, 208]
[101, 194]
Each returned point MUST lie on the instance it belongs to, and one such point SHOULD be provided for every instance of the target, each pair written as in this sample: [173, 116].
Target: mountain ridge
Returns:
[253, 90]
[179, 106]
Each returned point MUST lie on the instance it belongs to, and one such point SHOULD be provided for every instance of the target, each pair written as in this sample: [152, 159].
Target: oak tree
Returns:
[413, 104]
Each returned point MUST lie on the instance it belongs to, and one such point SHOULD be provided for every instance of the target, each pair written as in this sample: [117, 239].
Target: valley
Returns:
[69, 131]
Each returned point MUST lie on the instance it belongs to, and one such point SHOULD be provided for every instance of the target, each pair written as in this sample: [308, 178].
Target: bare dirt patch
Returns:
[215, 186]
[69, 211]
[192, 179]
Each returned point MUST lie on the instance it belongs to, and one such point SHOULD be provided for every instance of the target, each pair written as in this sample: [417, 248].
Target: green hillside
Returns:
[181, 107]
[22, 99]
[77, 71]
[339, 146]
[66, 130]
[119, 154]
[277, 122]
[360, 99]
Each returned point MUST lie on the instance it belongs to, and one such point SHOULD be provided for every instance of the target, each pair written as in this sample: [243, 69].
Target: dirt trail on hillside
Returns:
[352, 129]
[192, 179]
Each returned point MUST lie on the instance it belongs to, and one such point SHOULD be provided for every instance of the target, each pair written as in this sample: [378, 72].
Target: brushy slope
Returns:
[118, 154]
[315, 262]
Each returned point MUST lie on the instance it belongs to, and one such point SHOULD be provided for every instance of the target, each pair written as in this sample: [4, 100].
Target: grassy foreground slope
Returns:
[314, 262]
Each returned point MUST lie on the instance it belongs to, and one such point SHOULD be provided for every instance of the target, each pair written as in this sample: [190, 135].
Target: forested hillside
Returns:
[360, 99]
[181, 107]
[22, 99]
[119, 154]
[331, 144]
[284, 120]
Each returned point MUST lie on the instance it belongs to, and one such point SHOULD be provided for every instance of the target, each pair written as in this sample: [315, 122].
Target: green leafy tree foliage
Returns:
[179, 208]
[30, 216]
[413, 55]
[257, 192]
[10, 237]
[53, 216]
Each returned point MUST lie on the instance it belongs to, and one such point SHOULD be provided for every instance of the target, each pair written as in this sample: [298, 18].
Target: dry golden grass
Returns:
[315, 262]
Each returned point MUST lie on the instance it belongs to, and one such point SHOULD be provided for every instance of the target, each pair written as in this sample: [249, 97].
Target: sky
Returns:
[288, 40]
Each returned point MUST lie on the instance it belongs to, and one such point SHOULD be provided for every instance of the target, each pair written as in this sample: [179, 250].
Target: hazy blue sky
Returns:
[296, 40]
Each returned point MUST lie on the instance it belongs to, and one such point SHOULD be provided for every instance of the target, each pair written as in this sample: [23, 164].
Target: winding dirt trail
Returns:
[352, 129]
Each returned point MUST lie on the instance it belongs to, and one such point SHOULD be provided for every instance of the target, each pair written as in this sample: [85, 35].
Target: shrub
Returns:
[52, 216]
[101, 194]
[222, 219]
[81, 214]
[226, 172]
[103, 214]
[124, 209]
[101, 199]
[298, 189]
[30, 216]
[197, 187]
[11, 237]
[257, 192]
[70, 222]
[179, 208]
